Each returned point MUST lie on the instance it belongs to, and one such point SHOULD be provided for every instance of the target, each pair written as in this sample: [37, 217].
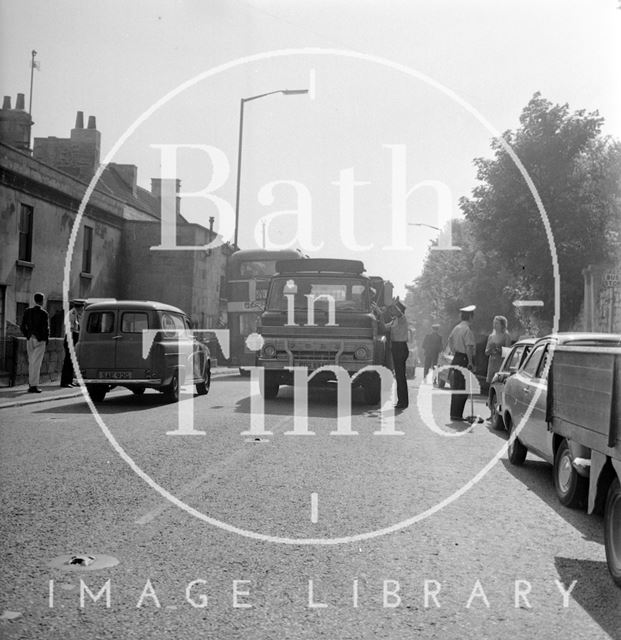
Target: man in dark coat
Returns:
[36, 328]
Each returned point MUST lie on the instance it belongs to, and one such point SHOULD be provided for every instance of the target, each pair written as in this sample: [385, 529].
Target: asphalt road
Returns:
[452, 573]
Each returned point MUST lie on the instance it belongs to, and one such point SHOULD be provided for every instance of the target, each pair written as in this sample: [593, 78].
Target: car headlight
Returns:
[361, 353]
[269, 351]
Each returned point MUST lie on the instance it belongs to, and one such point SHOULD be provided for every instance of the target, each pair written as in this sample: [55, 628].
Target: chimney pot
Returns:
[6, 104]
[92, 122]
[79, 120]
[20, 104]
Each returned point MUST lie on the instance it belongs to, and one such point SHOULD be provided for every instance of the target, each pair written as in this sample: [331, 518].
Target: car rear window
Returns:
[100, 322]
[134, 322]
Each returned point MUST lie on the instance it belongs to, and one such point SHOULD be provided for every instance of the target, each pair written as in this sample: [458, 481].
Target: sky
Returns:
[402, 94]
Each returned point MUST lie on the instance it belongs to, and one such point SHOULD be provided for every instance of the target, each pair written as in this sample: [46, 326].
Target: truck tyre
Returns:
[97, 392]
[612, 530]
[171, 392]
[202, 388]
[269, 386]
[496, 420]
[571, 487]
[138, 391]
[517, 451]
[372, 389]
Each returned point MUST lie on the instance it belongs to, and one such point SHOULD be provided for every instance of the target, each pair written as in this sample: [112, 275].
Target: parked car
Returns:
[515, 357]
[526, 391]
[110, 349]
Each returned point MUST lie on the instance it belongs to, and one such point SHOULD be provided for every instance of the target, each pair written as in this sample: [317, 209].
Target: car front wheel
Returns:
[517, 451]
[571, 487]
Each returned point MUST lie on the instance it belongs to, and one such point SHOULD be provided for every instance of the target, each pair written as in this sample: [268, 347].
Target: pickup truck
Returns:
[584, 408]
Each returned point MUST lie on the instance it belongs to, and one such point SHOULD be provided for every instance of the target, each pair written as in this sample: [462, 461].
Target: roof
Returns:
[133, 305]
[320, 265]
[112, 181]
[266, 254]
[584, 337]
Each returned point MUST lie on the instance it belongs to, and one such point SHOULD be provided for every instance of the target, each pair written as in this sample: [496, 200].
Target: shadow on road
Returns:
[537, 476]
[595, 591]
[322, 403]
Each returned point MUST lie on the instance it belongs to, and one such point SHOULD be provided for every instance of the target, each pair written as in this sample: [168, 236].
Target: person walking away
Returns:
[36, 328]
[498, 339]
[462, 344]
[432, 345]
[74, 317]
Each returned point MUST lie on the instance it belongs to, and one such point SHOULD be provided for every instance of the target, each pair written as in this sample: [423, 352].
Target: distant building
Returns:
[40, 194]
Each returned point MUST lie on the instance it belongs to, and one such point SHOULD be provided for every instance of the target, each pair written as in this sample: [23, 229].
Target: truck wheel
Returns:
[571, 487]
[138, 391]
[372, 390]
[612, 531]
[269, 386]
[517, 451]
[171, 392]
[496, 419]
[97, 392]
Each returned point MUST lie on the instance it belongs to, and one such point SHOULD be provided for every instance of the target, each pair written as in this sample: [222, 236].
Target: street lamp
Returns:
[423, 224]
[286, 92]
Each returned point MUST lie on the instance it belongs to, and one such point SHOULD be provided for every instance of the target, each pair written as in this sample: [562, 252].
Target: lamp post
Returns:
[423, 224]
[286, 92]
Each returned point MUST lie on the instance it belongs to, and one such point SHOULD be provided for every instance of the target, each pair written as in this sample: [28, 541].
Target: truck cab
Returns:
[317, 314]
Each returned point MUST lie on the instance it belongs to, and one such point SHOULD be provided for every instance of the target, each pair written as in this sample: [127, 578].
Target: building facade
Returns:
[40, 195]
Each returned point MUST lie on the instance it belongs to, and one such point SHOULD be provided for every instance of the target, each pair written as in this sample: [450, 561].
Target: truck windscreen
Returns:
[349, 294]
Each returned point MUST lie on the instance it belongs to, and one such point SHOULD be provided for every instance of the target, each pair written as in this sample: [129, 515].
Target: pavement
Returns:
[17, 395]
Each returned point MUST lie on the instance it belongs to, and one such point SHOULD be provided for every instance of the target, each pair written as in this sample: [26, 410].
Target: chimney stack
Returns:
[79, 120]
[15, 124]
[92, 123]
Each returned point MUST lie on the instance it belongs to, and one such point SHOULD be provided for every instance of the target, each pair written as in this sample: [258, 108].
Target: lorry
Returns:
[584, 409]
[318, 313]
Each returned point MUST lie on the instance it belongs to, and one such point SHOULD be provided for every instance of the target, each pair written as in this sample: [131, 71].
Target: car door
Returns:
[96, 346]
[525, 384]
[129, 363]
[542, 436]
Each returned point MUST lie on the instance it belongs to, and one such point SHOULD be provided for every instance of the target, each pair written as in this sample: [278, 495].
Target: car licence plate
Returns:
[115, 375]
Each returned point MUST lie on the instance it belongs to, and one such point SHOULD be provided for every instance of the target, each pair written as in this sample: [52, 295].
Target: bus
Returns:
[249, 273]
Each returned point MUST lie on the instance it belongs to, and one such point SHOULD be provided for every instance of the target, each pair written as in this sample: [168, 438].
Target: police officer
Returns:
[432, 345]
[399, 333]
[462, 344]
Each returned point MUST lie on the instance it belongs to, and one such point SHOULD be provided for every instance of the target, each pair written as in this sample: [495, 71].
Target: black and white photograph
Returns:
[310, 319]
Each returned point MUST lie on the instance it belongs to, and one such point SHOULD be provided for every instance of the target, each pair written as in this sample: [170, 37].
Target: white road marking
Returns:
[314, 508]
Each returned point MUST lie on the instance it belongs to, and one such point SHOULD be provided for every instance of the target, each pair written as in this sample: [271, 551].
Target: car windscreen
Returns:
[349, 294]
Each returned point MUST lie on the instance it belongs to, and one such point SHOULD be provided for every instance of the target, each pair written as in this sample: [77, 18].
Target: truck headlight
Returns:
[361, 353]
[269, 351]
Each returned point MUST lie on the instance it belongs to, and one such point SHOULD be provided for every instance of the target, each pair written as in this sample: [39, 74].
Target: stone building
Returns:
[602, 298]
[40, 194]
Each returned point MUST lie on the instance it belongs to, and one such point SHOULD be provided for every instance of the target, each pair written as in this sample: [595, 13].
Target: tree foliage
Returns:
[508, 246]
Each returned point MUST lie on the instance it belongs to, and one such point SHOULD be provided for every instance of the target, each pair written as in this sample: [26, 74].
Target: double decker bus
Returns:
[249, 273]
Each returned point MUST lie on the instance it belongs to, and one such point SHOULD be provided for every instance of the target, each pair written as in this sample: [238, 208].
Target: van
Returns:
[112, 350]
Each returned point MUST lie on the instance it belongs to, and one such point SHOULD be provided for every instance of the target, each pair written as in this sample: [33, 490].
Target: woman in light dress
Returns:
[498, 339]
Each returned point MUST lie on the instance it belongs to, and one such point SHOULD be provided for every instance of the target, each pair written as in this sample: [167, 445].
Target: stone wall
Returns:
[52, 362]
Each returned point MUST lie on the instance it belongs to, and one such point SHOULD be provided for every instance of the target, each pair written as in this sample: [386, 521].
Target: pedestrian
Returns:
[35, 326]
[399, 333]
[73, 319]
[462, 345]
[432, 345]
[498, 339]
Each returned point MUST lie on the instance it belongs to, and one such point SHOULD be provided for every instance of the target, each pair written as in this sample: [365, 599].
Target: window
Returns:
[100, 322]
[544, 362]
[530, 368]
[349, 294]
[25, 233]
[87, 250]
[134, 322]
[514, 361]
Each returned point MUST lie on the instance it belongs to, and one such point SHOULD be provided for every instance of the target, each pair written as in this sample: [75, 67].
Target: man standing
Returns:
[74, 317]
[432, 345]
[36, 328]
[399, 349]
[462, 344]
